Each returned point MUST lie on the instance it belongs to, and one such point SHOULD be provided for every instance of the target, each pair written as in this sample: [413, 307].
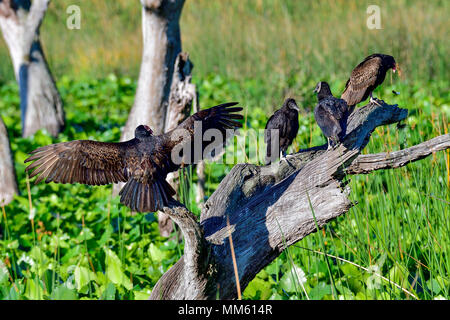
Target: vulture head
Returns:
[291, 104]
[389, 63]
[323, 90]
[143, 131]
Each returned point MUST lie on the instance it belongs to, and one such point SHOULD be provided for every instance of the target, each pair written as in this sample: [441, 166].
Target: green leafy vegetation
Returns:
[78, 242]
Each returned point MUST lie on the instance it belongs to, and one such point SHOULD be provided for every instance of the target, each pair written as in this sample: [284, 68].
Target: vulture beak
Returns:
[394, 69]
[317, 88]
[148, 129]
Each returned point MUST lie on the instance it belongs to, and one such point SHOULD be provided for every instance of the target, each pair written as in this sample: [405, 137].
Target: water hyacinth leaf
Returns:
[110, 292]
[114, 270]
[83, 276]
[85, 234]
[142, 295]
[38, 255]
[34, 289]
[350, 270]
[319, 291]
[156, 254]
[258, 289]
[63, 293]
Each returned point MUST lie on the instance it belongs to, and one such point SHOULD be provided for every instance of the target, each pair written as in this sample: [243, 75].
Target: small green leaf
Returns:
[319, 291]
[156, 255]
[142, 295]
[85, 234]
[110, 292]
[34, 290]
[434, 286]
[83, 276]
[63, 293]
[114, 270]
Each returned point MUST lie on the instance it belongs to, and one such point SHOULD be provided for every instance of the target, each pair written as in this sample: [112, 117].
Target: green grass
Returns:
[272, 41]
[77, 242]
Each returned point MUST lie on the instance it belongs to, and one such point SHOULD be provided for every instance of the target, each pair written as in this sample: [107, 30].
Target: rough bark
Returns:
[8, 183]
[40, 102]
[271, 207]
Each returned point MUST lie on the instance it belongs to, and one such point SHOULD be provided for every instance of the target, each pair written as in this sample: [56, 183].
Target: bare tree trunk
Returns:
[161, 46]
[271, 207]
[8, 184]
[40, 102]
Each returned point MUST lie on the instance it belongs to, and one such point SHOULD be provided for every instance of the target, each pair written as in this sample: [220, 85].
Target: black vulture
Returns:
[331, 114]
[285, 120]
[366, 76]
[142, 162]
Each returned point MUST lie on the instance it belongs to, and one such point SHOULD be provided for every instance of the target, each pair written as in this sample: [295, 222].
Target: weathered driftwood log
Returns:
[269, 208]
[40, 102]
[390, 160]
[8, 183]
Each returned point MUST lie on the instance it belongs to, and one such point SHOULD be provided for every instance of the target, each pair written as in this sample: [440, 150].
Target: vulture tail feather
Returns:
[144, 197]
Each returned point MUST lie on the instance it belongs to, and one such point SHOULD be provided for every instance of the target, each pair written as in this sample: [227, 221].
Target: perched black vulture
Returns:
[285, 120]
[364, 79]
[331, 114]
[142, 162]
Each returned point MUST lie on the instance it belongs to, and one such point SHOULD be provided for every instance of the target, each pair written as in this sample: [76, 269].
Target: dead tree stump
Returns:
[40, 102]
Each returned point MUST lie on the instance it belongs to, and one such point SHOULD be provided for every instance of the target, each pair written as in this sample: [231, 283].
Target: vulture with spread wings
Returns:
[366, 77]
[142, 162]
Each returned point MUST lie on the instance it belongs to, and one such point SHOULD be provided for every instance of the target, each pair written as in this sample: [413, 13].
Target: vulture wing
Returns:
[276, 121]
[221, 117]
[82, 161]
[331, 116]
[362, 79]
